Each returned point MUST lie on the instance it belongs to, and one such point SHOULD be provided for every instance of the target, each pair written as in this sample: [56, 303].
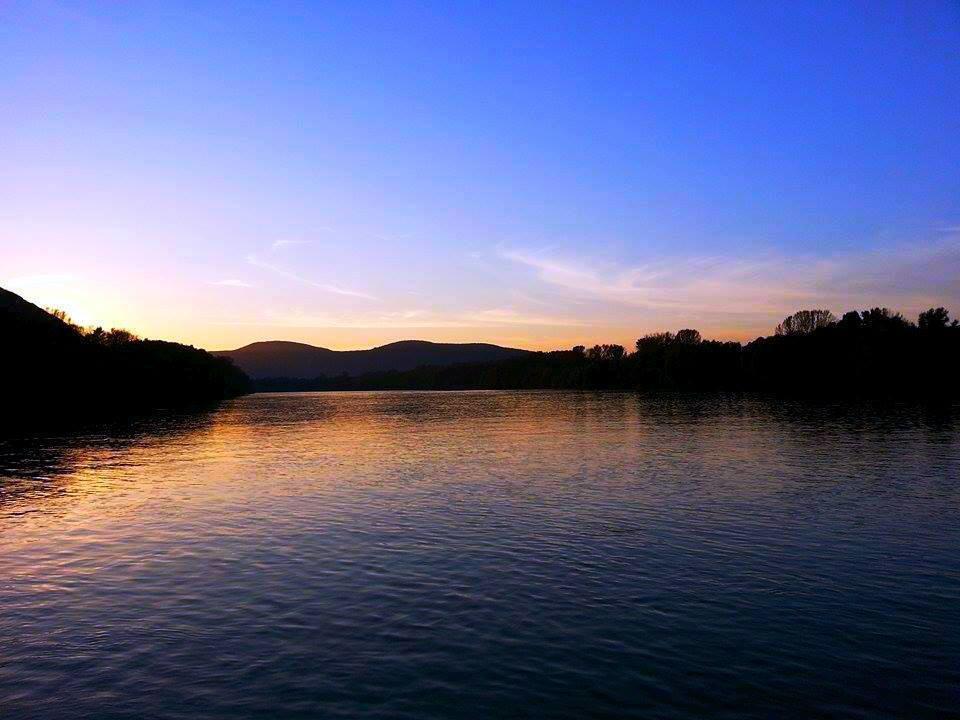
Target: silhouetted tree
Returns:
[119, 336]
[805, 322]
[613, 352]
[654, 341]
[850, 321]
[883, 319]
[688, 337]
[59, 314]
[935, 319]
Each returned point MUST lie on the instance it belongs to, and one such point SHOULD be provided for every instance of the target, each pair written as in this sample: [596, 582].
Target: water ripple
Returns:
[475, 555]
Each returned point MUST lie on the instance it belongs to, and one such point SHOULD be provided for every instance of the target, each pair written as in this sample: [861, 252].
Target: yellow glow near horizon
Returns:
[179, 321]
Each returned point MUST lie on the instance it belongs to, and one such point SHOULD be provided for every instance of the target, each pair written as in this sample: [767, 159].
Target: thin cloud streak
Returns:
[906, 277]
[688, 284]
[411, 319]
[507, 316]
[326, 287]
[280, 244]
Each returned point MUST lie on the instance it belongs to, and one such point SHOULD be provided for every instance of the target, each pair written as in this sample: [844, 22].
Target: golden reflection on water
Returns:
[310, 538]
[260, 447]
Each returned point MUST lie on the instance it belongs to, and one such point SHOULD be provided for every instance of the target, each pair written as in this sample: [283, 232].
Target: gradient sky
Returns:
[537, 174]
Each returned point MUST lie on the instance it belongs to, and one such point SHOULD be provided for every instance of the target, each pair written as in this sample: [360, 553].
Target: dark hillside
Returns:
[298, 360]
[52, 372]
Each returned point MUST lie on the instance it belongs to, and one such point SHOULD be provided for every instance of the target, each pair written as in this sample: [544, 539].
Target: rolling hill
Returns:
[274, 359]
[55, 373]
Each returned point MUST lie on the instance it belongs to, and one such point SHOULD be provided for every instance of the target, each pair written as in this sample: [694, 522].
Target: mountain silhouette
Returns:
[275, 359]
[29, 329]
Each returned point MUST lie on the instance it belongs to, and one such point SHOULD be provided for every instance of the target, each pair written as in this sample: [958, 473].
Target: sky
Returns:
[533, 174]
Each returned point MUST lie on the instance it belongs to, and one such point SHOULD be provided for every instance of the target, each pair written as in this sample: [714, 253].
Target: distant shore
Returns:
[56, 373]
[873, 353]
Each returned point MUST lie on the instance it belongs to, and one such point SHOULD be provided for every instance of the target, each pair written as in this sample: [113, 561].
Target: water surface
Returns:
[477, 555]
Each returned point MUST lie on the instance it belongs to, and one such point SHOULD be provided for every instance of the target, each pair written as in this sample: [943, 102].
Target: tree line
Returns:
[871, 353]
[53, 371]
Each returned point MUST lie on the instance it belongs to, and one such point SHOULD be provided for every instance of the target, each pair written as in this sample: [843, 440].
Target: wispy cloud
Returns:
[509, 316]
[724, 296]
[908, 277]
[410, 319]
[723, 285]
[326, 287]
[232, 282]
[280, 244]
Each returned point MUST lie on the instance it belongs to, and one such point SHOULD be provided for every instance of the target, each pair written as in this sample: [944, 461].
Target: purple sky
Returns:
[531, 174]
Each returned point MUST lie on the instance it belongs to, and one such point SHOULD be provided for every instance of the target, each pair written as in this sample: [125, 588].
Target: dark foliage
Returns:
[54, 372]
[805, 322]
[873, 353]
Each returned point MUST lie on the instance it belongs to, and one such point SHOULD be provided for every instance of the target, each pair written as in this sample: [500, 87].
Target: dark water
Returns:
[486, 555]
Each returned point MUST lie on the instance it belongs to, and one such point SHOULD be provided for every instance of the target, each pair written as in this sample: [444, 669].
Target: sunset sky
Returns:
[530, 174]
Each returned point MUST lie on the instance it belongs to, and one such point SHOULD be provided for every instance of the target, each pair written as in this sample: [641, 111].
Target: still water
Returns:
[485, 555]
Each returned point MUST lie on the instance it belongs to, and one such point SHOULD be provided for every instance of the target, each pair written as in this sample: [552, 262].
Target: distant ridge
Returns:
[280, 358]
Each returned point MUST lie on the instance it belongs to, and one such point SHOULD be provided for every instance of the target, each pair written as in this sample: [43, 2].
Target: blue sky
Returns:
[536, 174]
